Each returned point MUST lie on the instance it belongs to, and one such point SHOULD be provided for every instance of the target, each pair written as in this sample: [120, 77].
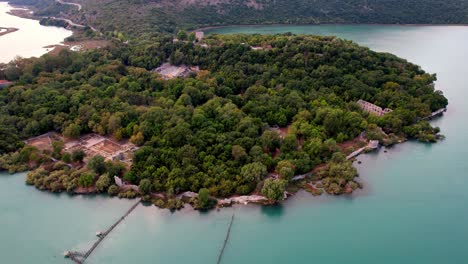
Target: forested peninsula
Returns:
[253, 113]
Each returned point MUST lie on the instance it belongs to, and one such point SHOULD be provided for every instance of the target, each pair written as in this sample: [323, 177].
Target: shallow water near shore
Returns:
[412, 208]
[30, 39]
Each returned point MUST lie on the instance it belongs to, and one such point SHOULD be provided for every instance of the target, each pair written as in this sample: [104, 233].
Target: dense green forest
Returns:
[164, 15]
[217, 129]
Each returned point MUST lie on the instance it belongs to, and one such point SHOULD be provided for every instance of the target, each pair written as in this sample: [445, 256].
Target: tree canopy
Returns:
[245, 114]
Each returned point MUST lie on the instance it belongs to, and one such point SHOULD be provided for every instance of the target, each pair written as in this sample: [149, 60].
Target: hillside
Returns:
[153, 15]
[139, 16]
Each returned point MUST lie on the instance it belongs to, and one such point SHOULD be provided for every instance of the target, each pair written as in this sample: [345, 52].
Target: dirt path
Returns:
[68, 3]
[71, 23]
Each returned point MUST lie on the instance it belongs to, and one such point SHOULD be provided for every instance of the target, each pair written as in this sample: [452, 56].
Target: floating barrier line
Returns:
[225, 240]
[75, 256]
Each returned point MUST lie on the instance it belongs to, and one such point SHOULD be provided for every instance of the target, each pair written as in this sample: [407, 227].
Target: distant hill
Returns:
[168, 15]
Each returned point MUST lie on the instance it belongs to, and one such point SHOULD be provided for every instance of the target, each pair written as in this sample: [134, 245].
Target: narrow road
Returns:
[68, 3]
[71, 23]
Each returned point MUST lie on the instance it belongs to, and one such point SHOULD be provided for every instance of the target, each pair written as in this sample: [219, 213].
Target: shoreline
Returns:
[24, 12]
[21, 11]
[312, 185]
[7, 30]
[305, 184]
[207, 28]
[27, 13]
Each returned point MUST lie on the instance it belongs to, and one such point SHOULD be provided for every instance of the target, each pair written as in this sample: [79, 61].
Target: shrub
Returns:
[78, 155]
[145, 186]
[113, 190]
[86, 180]
[130, 194]
[66, 157]
[103, 183]
[175, 204]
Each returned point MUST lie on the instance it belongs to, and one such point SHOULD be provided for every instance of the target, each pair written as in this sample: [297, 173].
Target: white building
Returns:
[199, 35]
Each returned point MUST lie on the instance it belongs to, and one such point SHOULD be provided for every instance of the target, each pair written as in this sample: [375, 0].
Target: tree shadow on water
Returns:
[273, 211]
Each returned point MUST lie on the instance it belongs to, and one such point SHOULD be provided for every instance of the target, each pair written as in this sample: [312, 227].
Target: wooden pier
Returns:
[434, 114]
[79, 257]
[373, 144]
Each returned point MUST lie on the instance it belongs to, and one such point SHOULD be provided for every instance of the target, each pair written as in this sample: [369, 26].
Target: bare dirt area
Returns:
[282, 131]
[351, 145]
[44, 142]
[94, 144]
[91, 144]
[85, 190]
[78, 46]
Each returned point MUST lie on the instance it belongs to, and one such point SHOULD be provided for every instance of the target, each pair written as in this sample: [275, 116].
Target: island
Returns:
[228, 119]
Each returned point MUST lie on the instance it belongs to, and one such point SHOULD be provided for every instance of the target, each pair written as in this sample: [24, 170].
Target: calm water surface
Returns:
[413, 208]
[30, 39]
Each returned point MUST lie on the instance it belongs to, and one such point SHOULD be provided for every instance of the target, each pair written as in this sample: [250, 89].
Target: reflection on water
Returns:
[273, 211]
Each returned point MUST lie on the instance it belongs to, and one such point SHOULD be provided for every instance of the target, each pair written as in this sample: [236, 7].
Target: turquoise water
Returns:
[412, 209]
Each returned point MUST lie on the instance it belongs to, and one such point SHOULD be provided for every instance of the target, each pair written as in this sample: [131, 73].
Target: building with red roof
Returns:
[4, 83]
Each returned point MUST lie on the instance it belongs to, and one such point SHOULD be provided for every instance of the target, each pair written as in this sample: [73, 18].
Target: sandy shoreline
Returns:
[4, 30]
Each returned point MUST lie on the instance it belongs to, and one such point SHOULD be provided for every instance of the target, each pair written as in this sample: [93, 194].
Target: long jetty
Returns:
[225, 240]
[80, 258]
[434, 114]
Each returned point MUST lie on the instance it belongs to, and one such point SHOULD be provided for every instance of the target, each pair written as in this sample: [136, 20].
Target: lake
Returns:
[412, 208]
[30, 39]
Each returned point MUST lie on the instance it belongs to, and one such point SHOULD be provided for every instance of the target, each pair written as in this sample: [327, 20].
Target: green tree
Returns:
[72, 131]
[12, 72]
[78, 155]
[204, 201]
[138, 139]
[66, 157]
[253, 172]
[57, 147]
[289, 144]
[115, 168]
[238, 152]
[86, 180]
[97, 164]
[274, 189]
[145, 186]
[103, 183]
[182, 35]
[191, 36]
[285, 169]
[270, 140]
